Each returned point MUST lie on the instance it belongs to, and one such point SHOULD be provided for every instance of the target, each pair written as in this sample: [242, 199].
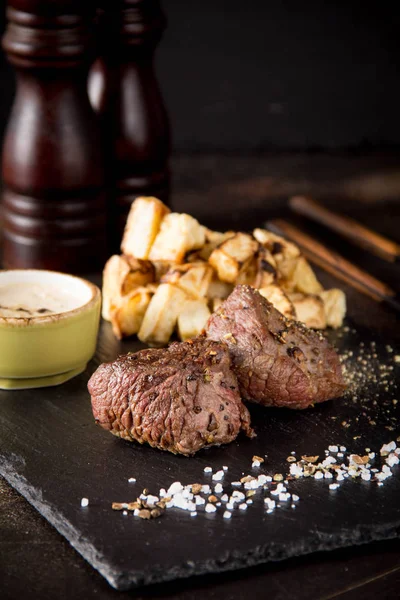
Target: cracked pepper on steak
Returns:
[278, 362]
[181, 398]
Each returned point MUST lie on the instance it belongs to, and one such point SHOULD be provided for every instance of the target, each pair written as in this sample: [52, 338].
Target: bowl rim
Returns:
[53, 318]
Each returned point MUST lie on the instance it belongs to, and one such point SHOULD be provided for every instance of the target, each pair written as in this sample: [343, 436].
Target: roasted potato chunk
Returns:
[192, 278]
[192, 319]
[233, 256]
[296, 275]
[179, 233]
[335, 307]
[266, 272]
[218, 288]
[121, 276]
[127, 317]
[212, 241]
[310, 310]
[161, 315]
[279, 247]
[142, 226]
[279, 300]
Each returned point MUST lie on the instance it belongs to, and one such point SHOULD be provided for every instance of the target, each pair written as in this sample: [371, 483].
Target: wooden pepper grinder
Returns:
[124, 91]
[53, 199]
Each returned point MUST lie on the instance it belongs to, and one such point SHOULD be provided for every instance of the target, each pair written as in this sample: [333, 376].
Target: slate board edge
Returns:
[156, 574]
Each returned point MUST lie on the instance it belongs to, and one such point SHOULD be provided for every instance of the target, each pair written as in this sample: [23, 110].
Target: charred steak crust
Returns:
[278, 362]
[181, 398]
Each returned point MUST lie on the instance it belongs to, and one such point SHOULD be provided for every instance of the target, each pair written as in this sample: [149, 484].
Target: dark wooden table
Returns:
[236, 191]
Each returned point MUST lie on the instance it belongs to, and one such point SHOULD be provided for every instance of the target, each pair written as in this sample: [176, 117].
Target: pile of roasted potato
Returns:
[173, 273]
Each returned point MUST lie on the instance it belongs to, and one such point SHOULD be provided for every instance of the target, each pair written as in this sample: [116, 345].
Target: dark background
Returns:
[262, 75]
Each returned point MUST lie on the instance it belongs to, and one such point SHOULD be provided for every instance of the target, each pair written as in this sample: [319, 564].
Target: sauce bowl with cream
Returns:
[48, 327]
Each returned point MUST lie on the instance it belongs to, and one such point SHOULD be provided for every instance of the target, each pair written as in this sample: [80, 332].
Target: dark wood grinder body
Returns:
[52, 165]
[124, 91]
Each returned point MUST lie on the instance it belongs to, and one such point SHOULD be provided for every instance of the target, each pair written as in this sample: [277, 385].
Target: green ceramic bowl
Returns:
[38, 351]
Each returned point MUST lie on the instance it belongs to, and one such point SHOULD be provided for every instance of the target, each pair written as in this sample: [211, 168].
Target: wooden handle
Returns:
[347, 227]
[334, 263]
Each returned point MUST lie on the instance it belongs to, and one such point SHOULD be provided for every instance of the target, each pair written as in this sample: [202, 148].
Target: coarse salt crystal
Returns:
[193, 513]
[84, 502]
[218, 488]
[262, 479]
[295, 498]
[318, 475]
[249, 501]
[131, 480]
[329, 460]
[243, 506]
[343, 448]
[255, 463]
[175, 488]
[334, 486]
[333, 448]
[227, 515]
[218, 475]
[238, 495]
[268, 478]
[236, 483]
[284, 497]
[328, 475]
[296, 470]
[225, 468]
[210, 508]
[207, 470]
[151, 500]
[230, 506]
[366, 476]
[206, 489]
[199, 501]
[392, 460]
[136, 512]
[387, 448]
[225, 498]
[124, 512]
[162, 493]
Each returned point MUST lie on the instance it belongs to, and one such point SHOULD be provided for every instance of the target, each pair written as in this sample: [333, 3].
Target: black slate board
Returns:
[53, 454]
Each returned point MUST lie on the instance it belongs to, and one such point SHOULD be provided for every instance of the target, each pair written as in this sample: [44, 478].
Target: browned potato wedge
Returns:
[142, 226]
[297, 275]
[309, 309]
[218, 288]
[192, 319]
[120, 276]
[266, 272]
[277, 245]
[216, 303]
[279, 299]
[192, 278]
[179, 233]
[213, 239]
[335, 307]
[127, 317]
[162, 314]
[229, 257]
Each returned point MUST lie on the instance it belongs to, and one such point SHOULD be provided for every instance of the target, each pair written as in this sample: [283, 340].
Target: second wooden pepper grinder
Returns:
[124, 91]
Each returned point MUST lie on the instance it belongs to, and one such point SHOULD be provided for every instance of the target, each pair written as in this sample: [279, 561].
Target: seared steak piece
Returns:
[277, 362]
[181, 398]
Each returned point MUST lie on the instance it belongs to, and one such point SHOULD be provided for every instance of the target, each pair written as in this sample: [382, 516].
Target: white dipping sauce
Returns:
[29, 299]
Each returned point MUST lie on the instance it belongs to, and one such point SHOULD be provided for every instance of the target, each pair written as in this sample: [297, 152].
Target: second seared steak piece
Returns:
[181, 398]
[277, 362]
